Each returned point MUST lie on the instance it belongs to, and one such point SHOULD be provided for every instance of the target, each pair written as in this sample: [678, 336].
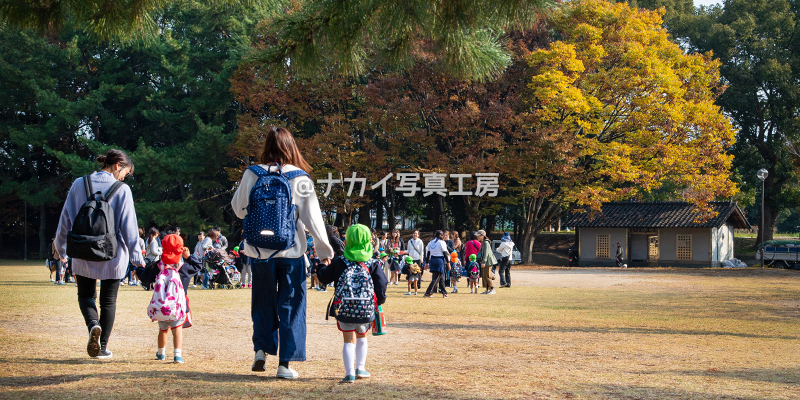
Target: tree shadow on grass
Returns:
[616, 391]
[786, 376]
[590, 329]
[208, 377]
[33, 283]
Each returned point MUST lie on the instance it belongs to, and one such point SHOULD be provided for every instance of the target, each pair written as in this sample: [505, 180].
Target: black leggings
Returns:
[87, 293]
[436, 279]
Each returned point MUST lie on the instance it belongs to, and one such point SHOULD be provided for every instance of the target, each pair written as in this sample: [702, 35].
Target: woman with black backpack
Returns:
[105, 258]
[279, 276]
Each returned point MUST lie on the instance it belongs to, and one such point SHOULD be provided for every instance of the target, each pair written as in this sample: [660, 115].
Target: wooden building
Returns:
[657, 234]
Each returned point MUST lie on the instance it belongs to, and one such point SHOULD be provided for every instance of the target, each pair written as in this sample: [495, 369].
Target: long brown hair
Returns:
[280, 147]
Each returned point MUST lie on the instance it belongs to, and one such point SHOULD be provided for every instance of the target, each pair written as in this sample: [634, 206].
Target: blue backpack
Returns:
[271, 222]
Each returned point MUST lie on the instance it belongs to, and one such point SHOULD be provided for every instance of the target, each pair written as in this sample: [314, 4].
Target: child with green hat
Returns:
[412, 271]
[360, 289]
[473, 271]
[395, 266]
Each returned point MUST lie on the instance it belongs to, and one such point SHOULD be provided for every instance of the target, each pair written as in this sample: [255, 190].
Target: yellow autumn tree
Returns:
[616, 109]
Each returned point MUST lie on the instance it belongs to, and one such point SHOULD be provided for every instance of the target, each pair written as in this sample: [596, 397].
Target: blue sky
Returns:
[698, 3]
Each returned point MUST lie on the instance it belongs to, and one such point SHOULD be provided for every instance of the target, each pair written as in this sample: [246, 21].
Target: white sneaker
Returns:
[259, 362]
[286, 373]
[491, 292]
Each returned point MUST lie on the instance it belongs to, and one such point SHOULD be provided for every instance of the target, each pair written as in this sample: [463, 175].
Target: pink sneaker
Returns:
[249, 286]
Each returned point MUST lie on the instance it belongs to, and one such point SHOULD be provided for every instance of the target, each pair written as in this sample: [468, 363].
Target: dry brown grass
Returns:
[558, 333]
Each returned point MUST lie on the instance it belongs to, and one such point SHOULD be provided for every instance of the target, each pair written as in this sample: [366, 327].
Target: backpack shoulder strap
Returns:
[256, 169]
[294, 174]
[113, 189]
[87, 184]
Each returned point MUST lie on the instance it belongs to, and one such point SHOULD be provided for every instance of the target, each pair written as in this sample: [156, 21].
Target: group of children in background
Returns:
[397, 265]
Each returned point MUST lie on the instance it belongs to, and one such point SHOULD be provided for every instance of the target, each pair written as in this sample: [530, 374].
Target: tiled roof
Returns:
[658, 215]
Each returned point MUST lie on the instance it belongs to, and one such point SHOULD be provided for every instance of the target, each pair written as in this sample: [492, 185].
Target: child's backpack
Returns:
[414, 269]
[270, 222]
[169, 301]
[474, 270]
[93, 236]
[354, 299]
[457, 271]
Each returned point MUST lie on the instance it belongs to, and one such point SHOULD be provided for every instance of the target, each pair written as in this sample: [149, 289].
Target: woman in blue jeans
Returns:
[279, 284]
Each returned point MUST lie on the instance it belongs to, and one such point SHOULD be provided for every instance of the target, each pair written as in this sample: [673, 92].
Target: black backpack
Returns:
[93, 236]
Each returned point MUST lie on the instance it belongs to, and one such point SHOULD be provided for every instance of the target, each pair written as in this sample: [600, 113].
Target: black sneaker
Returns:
[104, 354]
[93, 347]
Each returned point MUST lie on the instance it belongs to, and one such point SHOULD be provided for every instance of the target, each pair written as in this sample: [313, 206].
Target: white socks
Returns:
[163, 350]
[361, 352]
[349, 355]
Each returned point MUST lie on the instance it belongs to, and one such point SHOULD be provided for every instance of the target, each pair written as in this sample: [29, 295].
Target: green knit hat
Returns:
[357, 243]
[472, 257]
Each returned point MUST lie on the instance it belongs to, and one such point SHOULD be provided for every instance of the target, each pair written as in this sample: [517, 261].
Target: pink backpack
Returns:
[169, 301]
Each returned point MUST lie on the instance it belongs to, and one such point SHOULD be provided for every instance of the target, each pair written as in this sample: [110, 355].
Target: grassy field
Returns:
[558, 333]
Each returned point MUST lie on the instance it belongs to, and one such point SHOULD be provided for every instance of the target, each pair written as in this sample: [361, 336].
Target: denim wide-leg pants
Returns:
[279, 308]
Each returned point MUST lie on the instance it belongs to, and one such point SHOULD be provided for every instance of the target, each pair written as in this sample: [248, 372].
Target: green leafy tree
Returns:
[756, 42]
[166, 101]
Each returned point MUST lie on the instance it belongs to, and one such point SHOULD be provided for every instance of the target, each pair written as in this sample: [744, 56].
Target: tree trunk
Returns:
[473, 216]
[767, 231]
[339, 217]
[363, 214]
[347, 220]
[491, 221]
[42, 231]
[538, 214]
[443, 213]
[391, 209]
[379, 201]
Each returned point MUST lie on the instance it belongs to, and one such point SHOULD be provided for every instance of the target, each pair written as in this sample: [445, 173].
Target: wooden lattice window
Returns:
[684, 247]
[603, 246]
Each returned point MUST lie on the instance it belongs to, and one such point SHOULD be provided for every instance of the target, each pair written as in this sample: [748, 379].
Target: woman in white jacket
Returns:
[279, 289]
[506, 249]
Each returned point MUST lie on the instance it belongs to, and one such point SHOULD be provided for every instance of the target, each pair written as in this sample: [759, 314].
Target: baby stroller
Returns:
[216, 264]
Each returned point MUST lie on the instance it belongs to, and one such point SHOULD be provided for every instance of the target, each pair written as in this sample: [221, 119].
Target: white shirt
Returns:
[308, 213]
[437, 248]
[200, 248]
[415, 249]
[506, 249]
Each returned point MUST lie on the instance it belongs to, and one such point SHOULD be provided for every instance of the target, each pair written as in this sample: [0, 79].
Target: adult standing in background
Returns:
[436, 254]
[199, 250]
[153, 252]
[57, 265]
[222, 241]
[620, 255]
[333, 238]
[506, 250]
[487, 261]
[116, 166]
[457, 244]
[396, 242]
[416, 249]
[278, 305]
[374, 242]
[473, 246]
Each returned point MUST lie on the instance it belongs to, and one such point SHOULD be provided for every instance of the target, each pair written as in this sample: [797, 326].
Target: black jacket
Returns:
[337, 245]
[332, 272]
[190, 267]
